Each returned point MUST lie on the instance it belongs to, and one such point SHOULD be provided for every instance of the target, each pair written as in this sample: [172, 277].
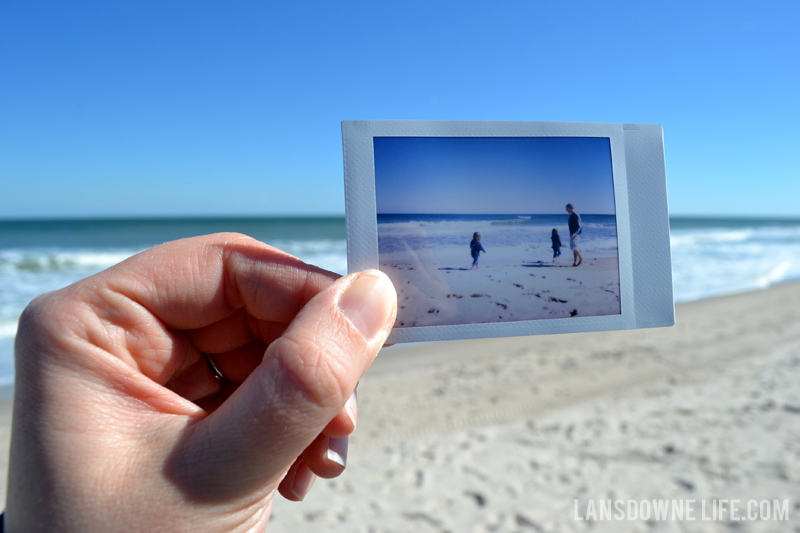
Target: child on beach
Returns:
[475, 248]
[556, 244]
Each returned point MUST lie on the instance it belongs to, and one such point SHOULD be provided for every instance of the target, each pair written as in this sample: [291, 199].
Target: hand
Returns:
[120, 425]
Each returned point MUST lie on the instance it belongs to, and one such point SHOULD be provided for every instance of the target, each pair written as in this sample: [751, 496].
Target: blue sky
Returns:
[493, 175]
[208, 108]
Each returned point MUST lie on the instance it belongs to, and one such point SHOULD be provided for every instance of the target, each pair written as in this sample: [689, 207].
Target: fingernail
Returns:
[303, 480]
[351, 407]
[337, 450]
[369, 302]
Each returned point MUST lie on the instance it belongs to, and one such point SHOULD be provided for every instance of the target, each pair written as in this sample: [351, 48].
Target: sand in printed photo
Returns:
[428, 259]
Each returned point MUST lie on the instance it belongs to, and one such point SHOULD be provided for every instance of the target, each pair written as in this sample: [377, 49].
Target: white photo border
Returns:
[641, 213]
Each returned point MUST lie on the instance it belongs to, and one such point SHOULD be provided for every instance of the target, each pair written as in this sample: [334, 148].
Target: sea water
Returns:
[710, 256]
[37, 256]
[498, 232]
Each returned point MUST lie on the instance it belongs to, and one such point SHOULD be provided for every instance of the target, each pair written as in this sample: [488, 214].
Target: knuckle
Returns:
[38, 315]
[317, 368]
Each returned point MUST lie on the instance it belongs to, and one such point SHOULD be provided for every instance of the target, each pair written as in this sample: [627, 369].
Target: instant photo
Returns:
[504, 228]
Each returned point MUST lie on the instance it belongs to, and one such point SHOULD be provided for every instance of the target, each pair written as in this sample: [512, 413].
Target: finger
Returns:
[326, 456]
[344, 423]
[206, 279]
[234, 332]
[198, 282]
[197, 380]
[237, 364]
[304, 381]
[297, 482]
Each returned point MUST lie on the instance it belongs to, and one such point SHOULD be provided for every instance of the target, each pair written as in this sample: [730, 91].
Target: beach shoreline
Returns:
[507, 434]
[514, 278]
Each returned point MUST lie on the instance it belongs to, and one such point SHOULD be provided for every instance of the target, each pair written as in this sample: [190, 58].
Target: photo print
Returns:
[491, 229]
[477, 229]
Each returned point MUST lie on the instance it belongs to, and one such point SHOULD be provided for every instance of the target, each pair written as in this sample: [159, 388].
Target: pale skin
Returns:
[119, 425]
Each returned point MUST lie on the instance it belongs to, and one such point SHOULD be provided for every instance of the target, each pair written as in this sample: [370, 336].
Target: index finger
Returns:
[192, 283]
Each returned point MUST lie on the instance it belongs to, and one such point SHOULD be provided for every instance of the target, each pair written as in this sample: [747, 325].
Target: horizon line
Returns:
[92, 217]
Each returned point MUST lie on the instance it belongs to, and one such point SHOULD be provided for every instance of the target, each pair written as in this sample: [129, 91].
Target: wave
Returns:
[710, 238]
[777, 274]
[55, 260]
[707, 261]
[25, 273]
[8, 329]
[710, 262]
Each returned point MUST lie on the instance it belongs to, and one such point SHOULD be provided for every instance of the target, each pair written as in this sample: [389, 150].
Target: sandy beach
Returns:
[520, 434]
[504, 291]
[516, 278]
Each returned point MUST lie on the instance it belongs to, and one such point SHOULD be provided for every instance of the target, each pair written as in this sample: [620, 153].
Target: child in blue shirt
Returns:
[475, 249]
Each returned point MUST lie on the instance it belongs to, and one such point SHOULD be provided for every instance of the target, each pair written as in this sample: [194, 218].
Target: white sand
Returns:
[442, 290]
[506, 434]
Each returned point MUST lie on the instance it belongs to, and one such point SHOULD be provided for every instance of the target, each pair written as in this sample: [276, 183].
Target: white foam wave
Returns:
[8, 329]
[310, 246]
[724, 261]
[591, 225]
[50, 259]
[775, 275]
[710, 238]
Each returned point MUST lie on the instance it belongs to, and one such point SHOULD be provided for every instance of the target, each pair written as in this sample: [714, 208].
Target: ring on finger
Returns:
[212, 366]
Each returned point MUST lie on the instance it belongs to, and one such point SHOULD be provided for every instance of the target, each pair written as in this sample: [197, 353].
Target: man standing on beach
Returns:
[574, 234]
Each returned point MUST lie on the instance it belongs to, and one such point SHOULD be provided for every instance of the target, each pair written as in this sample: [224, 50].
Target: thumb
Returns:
[304, 380]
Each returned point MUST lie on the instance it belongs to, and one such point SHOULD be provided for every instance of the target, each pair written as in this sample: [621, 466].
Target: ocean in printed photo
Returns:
[710, 256]
[398, 231]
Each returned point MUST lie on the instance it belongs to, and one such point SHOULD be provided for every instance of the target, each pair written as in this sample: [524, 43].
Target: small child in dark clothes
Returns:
[475, 249]
[556, 244]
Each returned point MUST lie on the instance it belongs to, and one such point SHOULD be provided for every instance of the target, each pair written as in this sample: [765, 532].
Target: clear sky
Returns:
[493, 175]
[227, 108]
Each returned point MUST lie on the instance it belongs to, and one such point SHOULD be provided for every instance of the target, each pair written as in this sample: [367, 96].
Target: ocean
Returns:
[396, 232]
[710, 257]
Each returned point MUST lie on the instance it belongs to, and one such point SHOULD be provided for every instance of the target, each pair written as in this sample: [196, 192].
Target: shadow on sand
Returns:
[448, 268]
[540, 264]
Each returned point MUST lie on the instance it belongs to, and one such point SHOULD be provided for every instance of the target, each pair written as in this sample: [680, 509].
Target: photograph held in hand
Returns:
[470, 219]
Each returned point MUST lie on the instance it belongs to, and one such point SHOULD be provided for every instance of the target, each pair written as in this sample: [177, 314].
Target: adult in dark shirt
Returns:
[575, 230]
